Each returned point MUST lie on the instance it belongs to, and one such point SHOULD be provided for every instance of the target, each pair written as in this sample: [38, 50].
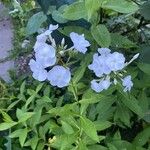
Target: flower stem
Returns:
[74, 91]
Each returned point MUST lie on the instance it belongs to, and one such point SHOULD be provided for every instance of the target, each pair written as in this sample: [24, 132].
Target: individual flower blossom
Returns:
[96, 86]
[40, 39]
[51, 29]
[39, 73]
[116, 61]
[59, 76]
[79, 42]
[127, 83]
[99, 65]
[45, 55]
[102, 85]
[104, 51]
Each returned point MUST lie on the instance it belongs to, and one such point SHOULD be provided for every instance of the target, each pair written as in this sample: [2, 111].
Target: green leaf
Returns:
[23, 116]
[62, 111]
[143, 101]
[123, 114]
[145, 10]
[40, 145]
[39, 87]
[29, 100]
[121, 6]
[104, 105]
[111, 146]
[97, 147]
[81, 69]
[131, 103]
[145, 53]
[75, 11]
[6, 117]
[57, 15]
[33, 143]
[35, 23]
[144, 67]
[101, 35]
[92, 100]
[120, 41]
[92, 7]
[89, 128]
[67, 128]
[102, 125]
[23, 136]
[82, 146]
[22, 88]
[64, 142]
[142, 138]
[36, 118]
[6, 125]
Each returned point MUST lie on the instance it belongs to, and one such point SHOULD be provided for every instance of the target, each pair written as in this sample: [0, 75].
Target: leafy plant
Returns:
[67, 113]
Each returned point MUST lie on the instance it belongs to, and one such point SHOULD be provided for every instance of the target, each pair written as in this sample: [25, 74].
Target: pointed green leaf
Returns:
[122, 6]
[23, 136]
[5, 126]
[101, 35]
[92, 6]
[75, 11]
[23, 116]
[35, 22]
[67, 128]
[131, 103]
[142, 138]
[144, 67]
[89, 128]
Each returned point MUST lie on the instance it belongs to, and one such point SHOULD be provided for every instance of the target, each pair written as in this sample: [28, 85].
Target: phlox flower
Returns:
[104, 51]
[99, 65]
[79, 42]
[101, 85]
[39, 73]
[127, 83]
[51, 29]
[116, 61]
[40, 39]
[45, 55]
[59, 76]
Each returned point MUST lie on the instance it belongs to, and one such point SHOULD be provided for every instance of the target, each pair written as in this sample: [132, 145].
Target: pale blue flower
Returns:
[99, 65]
[100, 86]
[127, 83]
[39, 73]
[96, 86]
[45, 55]
[116, 61]
[59, 76]
[51, 29]
[41, 38]
[79, 42]
[104, 51]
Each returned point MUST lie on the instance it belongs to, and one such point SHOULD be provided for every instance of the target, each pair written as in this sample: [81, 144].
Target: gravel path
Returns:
[6, 35]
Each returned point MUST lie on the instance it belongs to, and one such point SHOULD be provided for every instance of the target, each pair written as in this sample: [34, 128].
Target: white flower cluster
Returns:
[106, 65]
[46, 56]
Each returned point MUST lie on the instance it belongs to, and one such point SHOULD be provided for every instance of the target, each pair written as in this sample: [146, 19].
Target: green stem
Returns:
[74, 91]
